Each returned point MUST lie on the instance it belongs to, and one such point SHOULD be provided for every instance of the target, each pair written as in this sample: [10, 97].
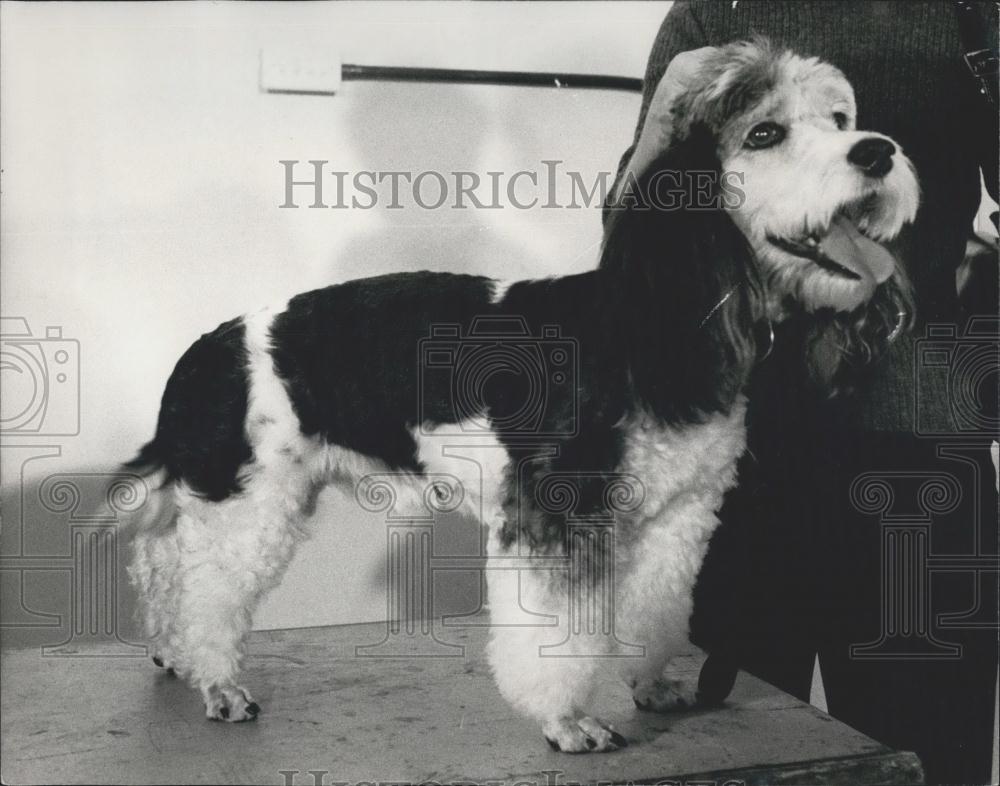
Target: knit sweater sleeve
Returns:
[680, 31]
[989, 156]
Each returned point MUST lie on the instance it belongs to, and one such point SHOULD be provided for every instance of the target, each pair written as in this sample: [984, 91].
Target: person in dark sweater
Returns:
[800, 563]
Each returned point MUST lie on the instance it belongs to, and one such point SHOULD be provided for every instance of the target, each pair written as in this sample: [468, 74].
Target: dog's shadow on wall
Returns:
[432, 565]
[423, 136]
[64, 583]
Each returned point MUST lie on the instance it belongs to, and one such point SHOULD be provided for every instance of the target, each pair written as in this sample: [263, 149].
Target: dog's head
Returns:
[816, 199]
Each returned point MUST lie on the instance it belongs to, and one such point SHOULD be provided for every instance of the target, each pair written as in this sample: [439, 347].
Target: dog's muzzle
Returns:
[842, 249]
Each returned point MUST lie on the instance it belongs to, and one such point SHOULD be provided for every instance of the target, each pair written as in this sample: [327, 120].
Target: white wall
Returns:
[141, 187]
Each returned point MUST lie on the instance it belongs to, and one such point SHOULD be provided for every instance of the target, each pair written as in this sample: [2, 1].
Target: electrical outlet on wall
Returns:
[300, 70]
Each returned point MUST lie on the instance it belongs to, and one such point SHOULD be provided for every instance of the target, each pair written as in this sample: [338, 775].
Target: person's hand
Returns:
[681, 74]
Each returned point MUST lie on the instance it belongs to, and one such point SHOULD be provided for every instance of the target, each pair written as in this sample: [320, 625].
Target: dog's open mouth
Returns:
[843, 249]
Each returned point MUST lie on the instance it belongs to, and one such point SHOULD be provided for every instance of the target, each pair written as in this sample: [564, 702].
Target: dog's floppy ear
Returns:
[687, 293]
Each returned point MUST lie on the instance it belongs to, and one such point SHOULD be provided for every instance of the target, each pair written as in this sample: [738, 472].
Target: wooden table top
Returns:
[83, 717]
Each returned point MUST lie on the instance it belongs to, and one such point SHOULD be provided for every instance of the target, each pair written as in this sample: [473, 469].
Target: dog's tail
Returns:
[151, 493]
[149, 460]
[152, 459]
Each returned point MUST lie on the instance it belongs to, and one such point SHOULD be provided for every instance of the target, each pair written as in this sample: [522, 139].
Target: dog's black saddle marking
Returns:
[350, 357]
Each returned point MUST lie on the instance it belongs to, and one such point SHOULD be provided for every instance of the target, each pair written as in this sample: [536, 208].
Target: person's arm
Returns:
[681, 31]
[988, 158]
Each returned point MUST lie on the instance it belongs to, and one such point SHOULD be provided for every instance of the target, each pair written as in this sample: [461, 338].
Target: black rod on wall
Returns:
[469, 76]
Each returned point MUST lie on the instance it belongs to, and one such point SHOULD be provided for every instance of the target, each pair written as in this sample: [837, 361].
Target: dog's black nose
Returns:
[873, 155]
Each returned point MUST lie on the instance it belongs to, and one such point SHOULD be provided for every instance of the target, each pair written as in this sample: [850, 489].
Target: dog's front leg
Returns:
[657, 601]
[536, 665]
[654, 692]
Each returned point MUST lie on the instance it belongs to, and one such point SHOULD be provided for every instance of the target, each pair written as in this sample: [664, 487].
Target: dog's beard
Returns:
[839, 263]
[819, 283]
[838, 259]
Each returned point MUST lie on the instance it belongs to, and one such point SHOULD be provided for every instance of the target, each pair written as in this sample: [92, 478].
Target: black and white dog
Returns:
[659, 343]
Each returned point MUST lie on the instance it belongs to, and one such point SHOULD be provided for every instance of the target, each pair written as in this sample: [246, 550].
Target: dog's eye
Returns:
[841, 120]
[765, 135]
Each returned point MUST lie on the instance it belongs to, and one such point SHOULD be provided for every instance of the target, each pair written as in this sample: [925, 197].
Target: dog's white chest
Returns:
[678, 466]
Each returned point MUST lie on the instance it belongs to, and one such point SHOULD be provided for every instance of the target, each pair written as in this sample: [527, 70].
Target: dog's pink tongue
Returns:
[846, 246]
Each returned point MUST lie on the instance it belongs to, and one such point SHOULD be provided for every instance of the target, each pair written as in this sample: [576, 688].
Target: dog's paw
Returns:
[662, 695]
[233, 705]
[163, 664]
[582, 735]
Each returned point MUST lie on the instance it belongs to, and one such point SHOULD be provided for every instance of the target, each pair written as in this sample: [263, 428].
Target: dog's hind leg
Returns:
[152, 568]
[230, 553]
[153, 571]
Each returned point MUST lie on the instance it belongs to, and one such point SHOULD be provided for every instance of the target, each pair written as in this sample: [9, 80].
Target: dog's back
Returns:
[347, 356]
